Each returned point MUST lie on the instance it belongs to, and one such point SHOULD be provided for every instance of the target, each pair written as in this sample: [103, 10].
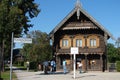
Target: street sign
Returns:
[74, 50]
[23, 40]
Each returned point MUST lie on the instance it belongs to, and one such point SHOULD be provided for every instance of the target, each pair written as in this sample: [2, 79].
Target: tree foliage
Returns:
[117, 43]
[40, 50]
[113, 53]
[15, 16]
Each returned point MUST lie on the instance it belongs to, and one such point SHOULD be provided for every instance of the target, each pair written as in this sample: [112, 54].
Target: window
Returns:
[93, 42]
[78, 42]
[65, 43]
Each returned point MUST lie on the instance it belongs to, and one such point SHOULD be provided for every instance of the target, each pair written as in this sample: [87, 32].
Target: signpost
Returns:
[74, 51]
[17, 40]
[11, 56]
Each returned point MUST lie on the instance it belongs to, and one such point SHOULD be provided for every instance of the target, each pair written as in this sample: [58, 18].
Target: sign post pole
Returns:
[74, 51]
[74, 65]
[11, 56]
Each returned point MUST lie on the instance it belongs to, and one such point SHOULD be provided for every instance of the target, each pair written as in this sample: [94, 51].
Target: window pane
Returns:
[92, 42]
[78, 43]
[65, 43]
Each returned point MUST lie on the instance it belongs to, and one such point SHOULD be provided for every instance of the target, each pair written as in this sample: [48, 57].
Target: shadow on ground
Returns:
[52, 73]
[85, 76]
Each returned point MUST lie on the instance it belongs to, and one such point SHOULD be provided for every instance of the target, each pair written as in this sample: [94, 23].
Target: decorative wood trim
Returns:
[105, 38]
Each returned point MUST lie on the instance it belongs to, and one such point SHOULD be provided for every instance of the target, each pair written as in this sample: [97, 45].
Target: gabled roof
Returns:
[79, 9]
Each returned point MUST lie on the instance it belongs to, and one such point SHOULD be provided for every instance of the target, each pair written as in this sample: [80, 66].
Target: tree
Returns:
[113, 53]
[111, 50]
[40, 50]
[118, 47]
[15, 16]
[117, 43]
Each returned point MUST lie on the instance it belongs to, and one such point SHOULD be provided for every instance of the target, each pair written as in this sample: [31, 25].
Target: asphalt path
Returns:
[27, 75]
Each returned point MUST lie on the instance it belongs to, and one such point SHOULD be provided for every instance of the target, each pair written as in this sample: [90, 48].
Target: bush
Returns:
[118, 66]
[33, 65]
[19, 63]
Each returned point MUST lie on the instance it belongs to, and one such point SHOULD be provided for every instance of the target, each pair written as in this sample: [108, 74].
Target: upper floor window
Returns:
[78, 42]
[65, 43]
[92, 42]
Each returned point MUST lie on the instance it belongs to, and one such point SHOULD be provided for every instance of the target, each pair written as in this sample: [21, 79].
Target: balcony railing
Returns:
[82, 51]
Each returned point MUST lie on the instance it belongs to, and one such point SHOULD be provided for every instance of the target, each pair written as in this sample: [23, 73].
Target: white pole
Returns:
[11, 56]
[74, 65]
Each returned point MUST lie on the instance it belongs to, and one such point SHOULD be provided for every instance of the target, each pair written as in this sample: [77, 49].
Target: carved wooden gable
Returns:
[82, 23]
[78, 18]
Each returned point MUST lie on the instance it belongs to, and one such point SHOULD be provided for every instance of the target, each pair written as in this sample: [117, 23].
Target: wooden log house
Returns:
[79, 29]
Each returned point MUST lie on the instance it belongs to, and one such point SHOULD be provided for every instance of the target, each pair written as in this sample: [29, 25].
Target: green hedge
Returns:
[118, 66]
[18, 63]
[33, 66]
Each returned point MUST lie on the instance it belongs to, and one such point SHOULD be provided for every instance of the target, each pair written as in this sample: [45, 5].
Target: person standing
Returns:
[46, 64]
[39, 66]
[53, 64]
[27, 64]
[80, 66]
[64, 66]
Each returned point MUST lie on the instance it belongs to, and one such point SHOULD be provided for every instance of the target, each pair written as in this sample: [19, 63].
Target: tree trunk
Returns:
[2, 57]
[0, 62]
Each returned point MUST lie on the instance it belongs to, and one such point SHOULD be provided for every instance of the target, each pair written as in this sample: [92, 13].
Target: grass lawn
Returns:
[6, 75]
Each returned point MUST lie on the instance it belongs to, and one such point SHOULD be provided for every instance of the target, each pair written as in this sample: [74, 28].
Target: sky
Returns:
[106, 12]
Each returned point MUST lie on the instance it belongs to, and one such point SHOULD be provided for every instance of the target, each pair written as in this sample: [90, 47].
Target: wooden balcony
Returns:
[82, 51]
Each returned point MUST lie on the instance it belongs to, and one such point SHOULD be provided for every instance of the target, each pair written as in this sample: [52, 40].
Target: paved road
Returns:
[24, 75]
